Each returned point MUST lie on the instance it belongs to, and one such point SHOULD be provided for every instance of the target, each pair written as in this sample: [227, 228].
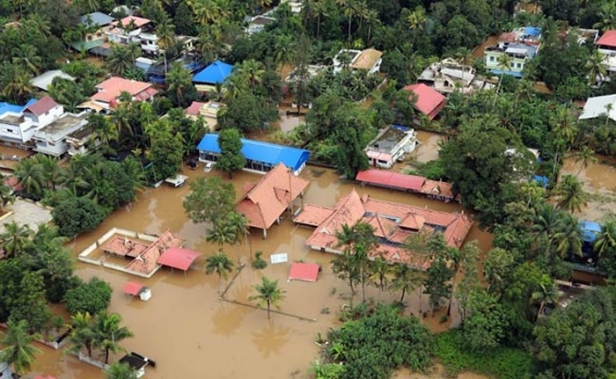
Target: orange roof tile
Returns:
[111, 89]
[267, 200]
[147, 261]
[139, 21]
[313, 215]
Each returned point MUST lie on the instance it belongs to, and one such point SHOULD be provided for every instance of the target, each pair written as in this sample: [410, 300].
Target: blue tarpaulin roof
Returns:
[543, 181]
[261, 151]
[589, 230]
[7, 107]
[217, 72]
[532, 31]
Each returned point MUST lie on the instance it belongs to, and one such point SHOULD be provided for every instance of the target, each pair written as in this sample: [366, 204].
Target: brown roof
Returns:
[433, 187]
[147, 261]
[42, 106]
[393, 222]
[123, 246]
[367, 59]
[267, 200]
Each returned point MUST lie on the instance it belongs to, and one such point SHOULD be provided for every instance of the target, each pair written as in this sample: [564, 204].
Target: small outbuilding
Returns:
[306, 272]
[137, 289]
[176, 257]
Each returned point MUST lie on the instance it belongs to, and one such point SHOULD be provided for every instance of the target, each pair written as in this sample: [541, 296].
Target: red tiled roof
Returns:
[393, 222]
[429, 101]
[111, 88]
[391, 179]
[433, 187]
[139, 21]
[267, 200]
[179, 258]
[132, 288]
[147, 261]
[313, 215]
[607, 39]
[306, 272]
[42, 106]
[194, 108]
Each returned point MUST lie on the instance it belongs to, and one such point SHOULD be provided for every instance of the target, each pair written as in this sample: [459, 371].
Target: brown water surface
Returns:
[190, 333]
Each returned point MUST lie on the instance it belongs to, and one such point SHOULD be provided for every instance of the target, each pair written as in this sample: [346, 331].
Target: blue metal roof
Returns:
[96, 18]
[512, 73]
[217, 72]
[589, 230]
[532, 31]
[261, 151]
[8, 107]
[543, 181]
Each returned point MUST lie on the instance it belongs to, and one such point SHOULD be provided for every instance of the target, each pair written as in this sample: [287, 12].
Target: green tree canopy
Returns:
[209, 199]
[91, 297]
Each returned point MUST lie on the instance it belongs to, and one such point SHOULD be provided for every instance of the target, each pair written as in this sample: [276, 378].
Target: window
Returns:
[491, 58]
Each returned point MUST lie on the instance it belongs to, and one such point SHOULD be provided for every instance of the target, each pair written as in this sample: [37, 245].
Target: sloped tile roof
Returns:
[429, 101]
[607, 39]
[42, 106]
[111, 88]
[267, 200]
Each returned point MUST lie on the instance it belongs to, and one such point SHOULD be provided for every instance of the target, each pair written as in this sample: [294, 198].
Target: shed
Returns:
[133, 288]
[389, 179]
[306, 272]
[176, 257]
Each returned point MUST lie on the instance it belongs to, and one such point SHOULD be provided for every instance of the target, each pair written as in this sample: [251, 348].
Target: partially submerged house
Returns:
[390, 145]
[521, 45]
[432, 189]
[427, 100]
[368, 59]
[108, 92]
[261, 157]
[600, 106]
[393, 224]
[449, 75]
[264, 203]
[216, 73]
[97, 25]
[51, 139]
[207, 111]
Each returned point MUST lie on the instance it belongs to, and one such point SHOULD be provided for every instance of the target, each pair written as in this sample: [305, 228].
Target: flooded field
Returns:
[599, 180]
[190, 333]
[429, 146]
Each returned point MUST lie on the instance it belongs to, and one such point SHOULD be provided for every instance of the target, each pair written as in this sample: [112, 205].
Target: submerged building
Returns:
[390, 145]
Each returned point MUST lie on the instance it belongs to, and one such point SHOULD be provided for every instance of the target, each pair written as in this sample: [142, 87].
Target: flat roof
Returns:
[261, 151]
[44, 80]
[67, 121]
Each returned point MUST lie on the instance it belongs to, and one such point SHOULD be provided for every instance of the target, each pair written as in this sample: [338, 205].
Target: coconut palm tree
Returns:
[109, 333]
[596, 70]
[81, 333]
[178, 81]
[607, 17]
[269, 294]
[238, 222]
[222, 233]
[586, 156]
[27, 57]
[31, 177]
[406, 279]
[320, 8]
[122, 58]
[119, 370]
[15, 239]
[568, 237]
[253, 71]
[220, 264]
[134, 169]
[48, 236]
[166, 37]
[51, 168]
[564, 124]
[571, 195]
[548, 294]
[105, 130]
[504, 64]
[285, 50]
[380, 272]
[18, 352]
[234, 86]
[18, 88]
[606, 239]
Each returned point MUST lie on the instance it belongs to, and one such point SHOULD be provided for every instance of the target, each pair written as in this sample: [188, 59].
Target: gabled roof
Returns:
[307, 272]
[13, 108]
[111, 88]
[97, 18]
[597, 107]
[176, 257]
[261, 151]
[391, 179]
[267, 200]
[139, 21]
[367, 59]
[44, 80]
[607, 39]
[217, 72]
[42, 106]
[428, 100]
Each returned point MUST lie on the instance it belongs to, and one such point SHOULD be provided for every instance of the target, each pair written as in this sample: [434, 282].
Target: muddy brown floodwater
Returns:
[189, 332]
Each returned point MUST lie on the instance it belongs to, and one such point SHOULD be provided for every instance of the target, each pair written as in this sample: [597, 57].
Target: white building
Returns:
[368, 59]
[449, 76]
[600, 106]
[51, 139]
[390, 145]
[127, 30]
[18, 124]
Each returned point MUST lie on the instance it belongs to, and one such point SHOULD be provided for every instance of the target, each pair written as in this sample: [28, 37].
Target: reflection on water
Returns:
[189, 332]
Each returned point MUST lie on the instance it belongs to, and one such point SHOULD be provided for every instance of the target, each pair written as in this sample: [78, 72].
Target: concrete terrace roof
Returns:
[217, 72]
[261, 151]
[44, 80]
[366, 59]
[97, 18]
[597, 107]
[607, 39]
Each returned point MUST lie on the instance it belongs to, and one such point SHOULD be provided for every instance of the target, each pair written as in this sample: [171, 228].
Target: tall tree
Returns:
[166, 38]
[220, 264]
[571, 195]
[209, 198]
[231, 158]
[180, 89]
[81, 333]
[119, 370]
[268, 293]
[109, 333]
[406, 279]
[31, 177]
[19, 352]
[15, 239]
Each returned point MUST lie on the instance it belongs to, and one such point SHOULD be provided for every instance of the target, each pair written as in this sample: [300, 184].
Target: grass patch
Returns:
[500, 363]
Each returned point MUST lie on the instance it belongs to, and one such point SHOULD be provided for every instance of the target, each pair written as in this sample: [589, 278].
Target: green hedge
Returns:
[500, 363]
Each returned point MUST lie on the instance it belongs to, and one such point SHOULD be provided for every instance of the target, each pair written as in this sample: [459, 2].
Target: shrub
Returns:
[91, 297]
[77, 215]
[501, 362]
[259, 263]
